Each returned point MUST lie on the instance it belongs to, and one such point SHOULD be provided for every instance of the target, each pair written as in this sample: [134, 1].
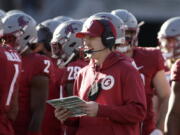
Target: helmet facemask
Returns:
[57, 51]
[13, 39]
[170, 47]
[22, 27]
[130, 41]
[64, 41]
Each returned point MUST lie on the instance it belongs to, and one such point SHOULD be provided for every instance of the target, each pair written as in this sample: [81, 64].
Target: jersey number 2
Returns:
[47, 63]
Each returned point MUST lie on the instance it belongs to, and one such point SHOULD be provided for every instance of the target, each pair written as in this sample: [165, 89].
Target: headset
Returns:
[108, 38]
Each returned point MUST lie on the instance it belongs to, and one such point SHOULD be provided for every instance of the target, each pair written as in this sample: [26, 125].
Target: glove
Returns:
[156, 132]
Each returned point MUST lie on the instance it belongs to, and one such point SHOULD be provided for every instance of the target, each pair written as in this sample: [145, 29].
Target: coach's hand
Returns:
[62, 114]
[90, 108]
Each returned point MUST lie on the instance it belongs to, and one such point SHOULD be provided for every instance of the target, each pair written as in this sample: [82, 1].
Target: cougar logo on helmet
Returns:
[64, 42]
[70, 29]
[22, 26]
[22, 22]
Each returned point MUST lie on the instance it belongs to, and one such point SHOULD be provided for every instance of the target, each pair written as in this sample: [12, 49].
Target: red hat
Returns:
[94, 28]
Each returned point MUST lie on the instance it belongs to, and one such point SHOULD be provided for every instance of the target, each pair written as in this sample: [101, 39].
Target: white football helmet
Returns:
[51, 24]
[2, 13]
[117, 22]
[62, 19]
[14, 11]
[128, 18]
[83, 19]
[45, 31]
[132, 26]
[64, 41]
[22, 27]
[169, 38]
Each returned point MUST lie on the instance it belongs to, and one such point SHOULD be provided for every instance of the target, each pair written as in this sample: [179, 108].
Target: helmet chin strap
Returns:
[54, 56]
[69, 59]
[62, 63]
[21, 51]
[123, 49]
[167, 55]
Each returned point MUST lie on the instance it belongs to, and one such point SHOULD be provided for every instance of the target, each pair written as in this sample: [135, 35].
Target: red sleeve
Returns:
[134, 108]
[160, 60]
[175, 73]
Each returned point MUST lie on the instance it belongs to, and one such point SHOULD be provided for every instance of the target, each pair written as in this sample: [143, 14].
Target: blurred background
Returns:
[152, 12]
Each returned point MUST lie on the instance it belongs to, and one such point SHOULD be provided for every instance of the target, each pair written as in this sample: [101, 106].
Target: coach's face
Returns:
[94, 44]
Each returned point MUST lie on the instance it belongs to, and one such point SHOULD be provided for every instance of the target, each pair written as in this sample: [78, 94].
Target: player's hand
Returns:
[90, 108]
[156, 132]
[62, 114]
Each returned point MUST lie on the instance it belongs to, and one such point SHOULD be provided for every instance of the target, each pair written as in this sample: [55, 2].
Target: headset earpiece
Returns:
[108, 39]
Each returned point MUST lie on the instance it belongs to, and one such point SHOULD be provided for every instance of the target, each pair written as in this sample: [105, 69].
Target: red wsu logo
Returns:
[22, 22]
[71, 28]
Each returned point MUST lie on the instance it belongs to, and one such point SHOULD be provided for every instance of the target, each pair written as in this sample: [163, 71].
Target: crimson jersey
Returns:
[10, 71]
[149, 61]
[62, 76]
[125, 57]
[32, 65]
[50, 124]
[73, 69]
[121, 99]
[70, 73]
[175, 73]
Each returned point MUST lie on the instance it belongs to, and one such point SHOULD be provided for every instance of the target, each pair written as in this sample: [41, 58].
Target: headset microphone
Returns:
[93, 51]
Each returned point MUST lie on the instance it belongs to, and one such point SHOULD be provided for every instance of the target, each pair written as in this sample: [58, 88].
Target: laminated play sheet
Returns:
[71, 103]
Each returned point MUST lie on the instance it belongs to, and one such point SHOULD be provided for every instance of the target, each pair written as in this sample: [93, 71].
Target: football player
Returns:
[20, 32]
[45, 31]
[173, 119]
[169, 42]
[65, 47]
[150, 63]
[169, 38]
[10, 71]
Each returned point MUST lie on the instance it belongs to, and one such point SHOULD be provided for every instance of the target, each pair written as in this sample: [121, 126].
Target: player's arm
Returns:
[163, 92]
[39, 93]
[174, 116]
